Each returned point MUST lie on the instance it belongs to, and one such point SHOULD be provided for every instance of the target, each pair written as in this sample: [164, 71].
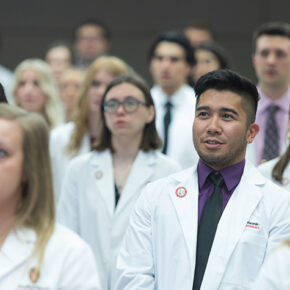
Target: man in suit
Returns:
[171, 59]
[271, 60]
[211, 226]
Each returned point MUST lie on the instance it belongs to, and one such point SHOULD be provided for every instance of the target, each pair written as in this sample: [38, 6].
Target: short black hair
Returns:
[225, 79]
[218, 51]
[273, 29]
[93, 22]
[174, 37]
[3, 98]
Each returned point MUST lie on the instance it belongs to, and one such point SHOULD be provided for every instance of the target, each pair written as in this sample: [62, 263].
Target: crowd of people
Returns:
[108, 184]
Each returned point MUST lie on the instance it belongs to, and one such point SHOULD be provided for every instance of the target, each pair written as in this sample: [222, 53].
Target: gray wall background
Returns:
[27, 26]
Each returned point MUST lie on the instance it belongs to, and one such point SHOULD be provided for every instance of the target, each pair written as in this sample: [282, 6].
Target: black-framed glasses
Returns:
[130, 105]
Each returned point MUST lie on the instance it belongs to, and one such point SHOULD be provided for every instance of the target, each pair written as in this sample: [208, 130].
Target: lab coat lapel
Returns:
[16, 249]
[237, 213]
[187, 208]
[102, 173]
[140, 174]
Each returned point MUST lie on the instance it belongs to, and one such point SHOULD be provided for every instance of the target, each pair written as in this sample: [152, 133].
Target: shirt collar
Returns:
[232, 174]
[265, 101]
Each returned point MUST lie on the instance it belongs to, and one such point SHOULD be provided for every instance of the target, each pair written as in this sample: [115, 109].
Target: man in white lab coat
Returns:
[211, 226]
[171, 60]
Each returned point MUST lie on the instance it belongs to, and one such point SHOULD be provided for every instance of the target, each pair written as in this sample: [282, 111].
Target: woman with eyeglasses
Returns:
[35, 251]
[101, 187]
[78, 136]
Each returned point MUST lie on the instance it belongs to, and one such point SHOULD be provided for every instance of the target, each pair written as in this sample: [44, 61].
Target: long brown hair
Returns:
[150, 139]
[278, 170]
[112, 65]
[36, 209]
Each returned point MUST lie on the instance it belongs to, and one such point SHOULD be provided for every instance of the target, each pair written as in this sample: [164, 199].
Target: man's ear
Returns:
[253, 130]
[254, 60]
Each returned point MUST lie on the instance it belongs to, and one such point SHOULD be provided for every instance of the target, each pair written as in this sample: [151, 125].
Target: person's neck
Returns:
[273, 92]
[126, 149]
[6, 224]
[169, 91]
[95, 125]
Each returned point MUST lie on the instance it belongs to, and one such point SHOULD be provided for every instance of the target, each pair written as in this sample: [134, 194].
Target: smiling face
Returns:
[29, 94]
[272, 61]
[96, 91]
[220, 130]
[11, 164]
[132, 124]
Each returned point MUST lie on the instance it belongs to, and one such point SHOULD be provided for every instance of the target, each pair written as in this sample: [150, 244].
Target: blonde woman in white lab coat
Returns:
[77, 137]
[101, 187]
[35, 252]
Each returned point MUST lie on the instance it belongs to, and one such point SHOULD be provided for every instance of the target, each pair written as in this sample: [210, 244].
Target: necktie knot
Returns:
[216, 179]
[168, 105]
[272, 109]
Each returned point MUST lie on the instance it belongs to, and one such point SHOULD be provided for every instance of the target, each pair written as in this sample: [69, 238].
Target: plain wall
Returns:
[27, 27]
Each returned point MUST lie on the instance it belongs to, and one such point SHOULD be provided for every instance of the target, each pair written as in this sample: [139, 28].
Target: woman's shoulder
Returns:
[66, 129]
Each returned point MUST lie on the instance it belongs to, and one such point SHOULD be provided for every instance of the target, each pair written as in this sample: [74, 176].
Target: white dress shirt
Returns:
[180, 143]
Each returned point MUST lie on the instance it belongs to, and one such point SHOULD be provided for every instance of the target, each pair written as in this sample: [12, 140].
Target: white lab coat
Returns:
[267, 168]
[159, 248]
[180, 142]
[68, 262]
[87, 202]
[59, 139]
[275, 273]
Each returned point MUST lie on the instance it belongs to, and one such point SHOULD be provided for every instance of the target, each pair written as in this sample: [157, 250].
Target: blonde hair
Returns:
[47, 84]
[112, 65]
[36, 209]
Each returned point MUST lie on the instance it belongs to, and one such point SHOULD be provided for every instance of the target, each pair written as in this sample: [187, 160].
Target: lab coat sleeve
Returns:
[80, 271]
[67, 210]
[279, 221]
[135, 266]
[275, 274]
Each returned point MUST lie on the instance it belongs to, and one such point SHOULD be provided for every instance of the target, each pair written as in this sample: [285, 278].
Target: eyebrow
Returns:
[224, 109]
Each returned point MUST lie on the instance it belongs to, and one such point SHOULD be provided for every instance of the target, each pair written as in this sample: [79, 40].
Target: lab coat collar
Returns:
[237, 213]
[141, 173]
[102, 172]
[187, 208]
[17, 248]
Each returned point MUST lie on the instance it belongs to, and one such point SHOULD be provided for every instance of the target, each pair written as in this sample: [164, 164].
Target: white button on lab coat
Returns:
[87, 201]
[68, 262]
[159, 248]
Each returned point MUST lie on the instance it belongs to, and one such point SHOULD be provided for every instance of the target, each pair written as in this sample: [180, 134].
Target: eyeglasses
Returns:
[130, 105]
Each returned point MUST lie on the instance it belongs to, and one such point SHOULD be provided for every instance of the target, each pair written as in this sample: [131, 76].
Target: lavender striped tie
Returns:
[271, 142]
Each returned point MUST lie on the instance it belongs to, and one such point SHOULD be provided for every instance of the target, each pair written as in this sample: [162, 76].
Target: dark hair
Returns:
[3, 98]
[150, 139]
[218, 51]
[224, 79]
[174, 37]
[94, 22]
[278, 170]
[200, 25]
[271, 28]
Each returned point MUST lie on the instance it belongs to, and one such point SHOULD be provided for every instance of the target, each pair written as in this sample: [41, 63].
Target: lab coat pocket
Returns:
[246, 260]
